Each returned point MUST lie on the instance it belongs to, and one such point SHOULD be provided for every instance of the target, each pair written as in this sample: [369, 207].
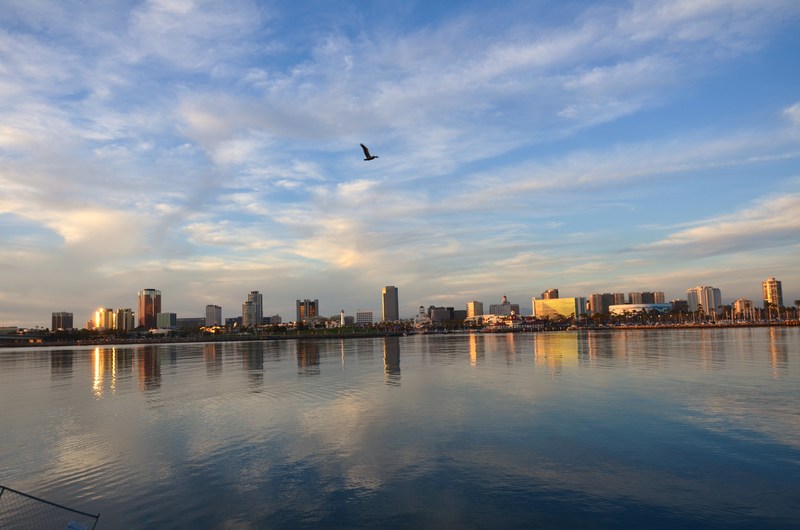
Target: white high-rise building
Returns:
[707, 297]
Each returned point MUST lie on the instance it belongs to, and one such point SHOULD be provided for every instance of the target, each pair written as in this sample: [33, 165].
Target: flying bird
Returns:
[366, 153]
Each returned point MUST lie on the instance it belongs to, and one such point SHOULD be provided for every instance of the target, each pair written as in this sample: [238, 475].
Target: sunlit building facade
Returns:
[707, 298]
[390, 304]
[646, 297]
[474, 309]
[559, 308]
[550, 294]
[772, 293]
[104, 318]
[149, 307]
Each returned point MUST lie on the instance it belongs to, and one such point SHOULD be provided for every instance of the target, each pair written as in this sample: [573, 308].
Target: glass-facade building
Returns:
[390, 304]
[149, 307]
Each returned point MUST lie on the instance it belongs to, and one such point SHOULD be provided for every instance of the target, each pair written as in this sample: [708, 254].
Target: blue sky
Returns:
[208, 149]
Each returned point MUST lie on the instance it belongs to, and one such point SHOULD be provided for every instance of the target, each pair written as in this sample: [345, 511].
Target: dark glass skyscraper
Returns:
[149, 307]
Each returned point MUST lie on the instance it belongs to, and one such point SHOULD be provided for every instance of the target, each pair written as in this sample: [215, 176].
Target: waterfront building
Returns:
[474, 309]
[743, 309]
[124, 319]
[167, 321]
[149, 307]
[772, 293]
[61, 321]
[559, 308]
[390, 305]
[307, 309]
[439, 314]
[631, 309]
[599, 303]
[190, 322]
[363, 318]
[550, 294]
[252, 310]
[104, 319]
[504, 308]
[213, 315]
[646, 297]
[706, 297]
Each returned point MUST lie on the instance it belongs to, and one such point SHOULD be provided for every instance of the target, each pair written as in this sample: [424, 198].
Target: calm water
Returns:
[697, 428]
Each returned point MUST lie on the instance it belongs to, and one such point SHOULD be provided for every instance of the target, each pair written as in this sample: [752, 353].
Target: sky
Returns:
[209, 149]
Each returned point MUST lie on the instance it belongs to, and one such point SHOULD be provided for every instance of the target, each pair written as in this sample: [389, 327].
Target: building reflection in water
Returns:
[555, 350]
[308, 358]
[61, 364]
[148, 364]
[213, 358]
[778, 351]
[477, 349]
[253, 362]
[391, 360]
[109, 366]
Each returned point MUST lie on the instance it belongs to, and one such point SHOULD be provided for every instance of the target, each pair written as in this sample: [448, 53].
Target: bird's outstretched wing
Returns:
[366, 151]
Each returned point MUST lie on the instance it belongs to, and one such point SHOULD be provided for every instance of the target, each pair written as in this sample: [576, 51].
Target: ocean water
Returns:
[619, 429]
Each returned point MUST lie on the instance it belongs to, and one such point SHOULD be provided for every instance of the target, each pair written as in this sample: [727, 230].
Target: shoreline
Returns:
[41, 342]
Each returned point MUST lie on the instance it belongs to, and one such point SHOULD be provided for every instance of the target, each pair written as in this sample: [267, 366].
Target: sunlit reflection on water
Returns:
[602, 429]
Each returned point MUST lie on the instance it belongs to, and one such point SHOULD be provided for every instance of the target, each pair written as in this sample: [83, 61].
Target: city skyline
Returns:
[212, 149]
[253, 308]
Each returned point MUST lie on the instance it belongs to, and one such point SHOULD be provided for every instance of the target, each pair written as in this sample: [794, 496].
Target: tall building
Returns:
[550, 294]
[62, 320]
[707, 297]
[213, 315]
[124, 319]
[474, 309]
[646, 297]
[600, 302]
[772, 293]
[307, 309]
[149, 307]
[104, 318]
[253, 310]
[390, 305]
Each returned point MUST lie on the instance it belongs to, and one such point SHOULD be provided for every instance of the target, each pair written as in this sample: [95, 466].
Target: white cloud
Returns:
[772, 221]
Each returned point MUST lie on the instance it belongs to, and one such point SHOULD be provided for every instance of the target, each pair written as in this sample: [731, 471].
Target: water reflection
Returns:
[308, 357]
[212, 354]
[555, 351]
[61, 364]
[148, 367]
[391, 360]
[778, 351]
[477, 349]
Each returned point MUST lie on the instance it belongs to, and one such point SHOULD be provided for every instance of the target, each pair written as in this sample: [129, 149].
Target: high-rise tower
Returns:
[149, 307]
[390, 304]
[772, 293]
[307, 309]
[253, 310]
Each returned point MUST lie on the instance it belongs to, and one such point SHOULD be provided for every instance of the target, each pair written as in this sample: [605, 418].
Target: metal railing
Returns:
[21, 511]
